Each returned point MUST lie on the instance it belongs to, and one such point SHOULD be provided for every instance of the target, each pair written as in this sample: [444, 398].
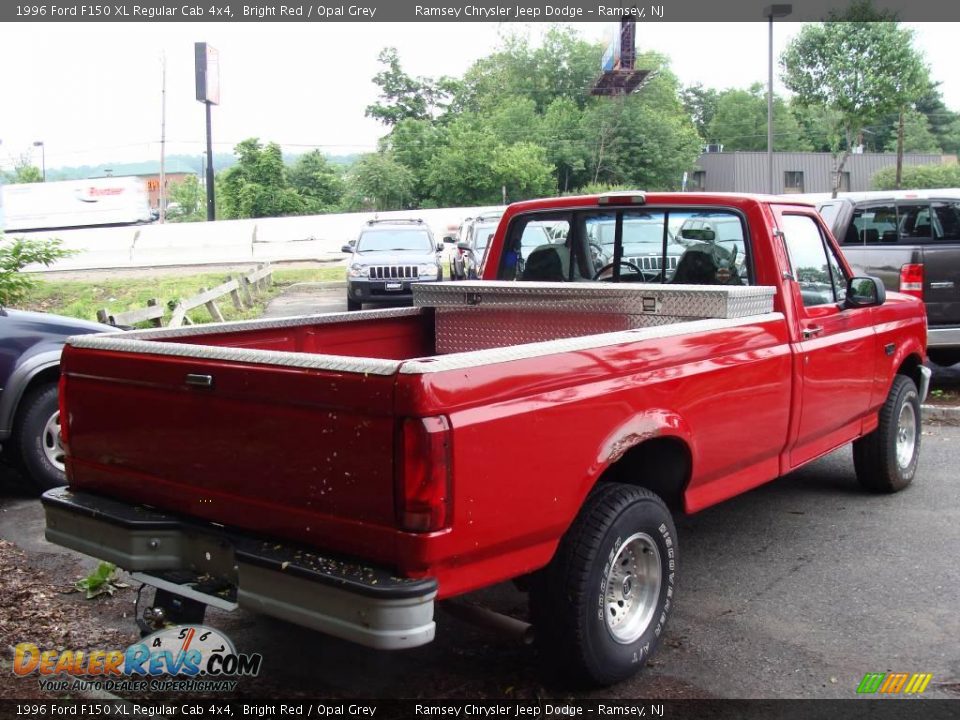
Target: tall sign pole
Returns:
[208, 92]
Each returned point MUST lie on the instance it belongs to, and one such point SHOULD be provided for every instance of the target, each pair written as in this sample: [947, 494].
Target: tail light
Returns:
[911, 280]
[423, 483]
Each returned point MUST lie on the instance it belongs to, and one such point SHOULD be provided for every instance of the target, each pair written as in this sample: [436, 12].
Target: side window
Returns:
[947, 225]
[816, 271]
[873, 225]
[915, 222]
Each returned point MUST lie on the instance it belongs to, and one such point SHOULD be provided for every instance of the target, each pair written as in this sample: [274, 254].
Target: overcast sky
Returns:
[92, 92]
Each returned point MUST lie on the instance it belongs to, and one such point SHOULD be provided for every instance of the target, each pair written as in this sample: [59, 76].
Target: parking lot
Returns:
[795, 590]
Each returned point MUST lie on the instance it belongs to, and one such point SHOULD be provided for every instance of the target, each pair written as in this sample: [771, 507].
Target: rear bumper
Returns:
[363, 604]
[940, 337]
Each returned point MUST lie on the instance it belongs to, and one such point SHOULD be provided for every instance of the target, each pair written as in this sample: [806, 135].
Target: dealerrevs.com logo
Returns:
[190, 658]
[894, 683]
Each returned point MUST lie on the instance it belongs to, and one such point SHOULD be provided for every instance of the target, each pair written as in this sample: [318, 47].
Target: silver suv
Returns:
[388, 257]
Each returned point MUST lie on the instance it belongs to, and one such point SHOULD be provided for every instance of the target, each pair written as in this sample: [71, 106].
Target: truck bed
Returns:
[289, 428]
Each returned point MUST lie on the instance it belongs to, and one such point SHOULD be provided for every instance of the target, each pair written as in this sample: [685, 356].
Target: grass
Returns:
[82, 299]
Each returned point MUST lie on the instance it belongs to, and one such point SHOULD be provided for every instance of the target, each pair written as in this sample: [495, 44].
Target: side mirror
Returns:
[347, 249]
[449, 239]
[439, 247]
[865, 291]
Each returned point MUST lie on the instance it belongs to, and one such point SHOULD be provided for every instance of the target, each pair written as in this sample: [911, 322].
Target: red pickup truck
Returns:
[544, 424]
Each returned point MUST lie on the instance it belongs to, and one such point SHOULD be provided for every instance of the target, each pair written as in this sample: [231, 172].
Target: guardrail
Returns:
[242, 289]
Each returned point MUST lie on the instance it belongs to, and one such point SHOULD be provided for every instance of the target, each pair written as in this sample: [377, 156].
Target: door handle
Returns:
[812, 331]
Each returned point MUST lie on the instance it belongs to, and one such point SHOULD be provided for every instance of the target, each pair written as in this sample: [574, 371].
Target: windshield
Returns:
[394, 240]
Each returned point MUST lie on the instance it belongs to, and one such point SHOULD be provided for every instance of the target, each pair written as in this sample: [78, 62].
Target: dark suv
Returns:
[911, 240]
[387, 258]
[30, 345]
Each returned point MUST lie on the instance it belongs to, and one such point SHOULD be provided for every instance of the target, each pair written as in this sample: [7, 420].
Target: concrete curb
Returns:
[941, 414]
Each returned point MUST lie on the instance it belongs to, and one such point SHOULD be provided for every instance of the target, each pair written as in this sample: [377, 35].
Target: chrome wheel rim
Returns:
[633, 588]
[52, 448]
[906, 435]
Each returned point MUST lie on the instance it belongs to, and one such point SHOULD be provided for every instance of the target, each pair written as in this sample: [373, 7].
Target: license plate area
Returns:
[393, 286]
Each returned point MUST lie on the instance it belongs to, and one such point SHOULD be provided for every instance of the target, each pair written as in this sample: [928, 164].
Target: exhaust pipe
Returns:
[499, 623]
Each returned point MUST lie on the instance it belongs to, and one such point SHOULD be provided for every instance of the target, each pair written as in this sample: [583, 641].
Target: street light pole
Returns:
[771, 12]
[43, 156]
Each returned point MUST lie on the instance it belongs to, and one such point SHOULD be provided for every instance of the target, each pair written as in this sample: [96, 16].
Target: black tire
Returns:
[37, 441]
[353, 305]
[883, 461]
[591, 578]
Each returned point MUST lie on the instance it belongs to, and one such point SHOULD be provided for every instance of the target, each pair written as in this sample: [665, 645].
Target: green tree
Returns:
[564, 65]
[318, 183]
[523, 172]
[190, 198]
[563, 139]
[701, 105]
[25, 173]
[18, 253]
[257, 185]
[944, 123]
[402, 96]
[740, 122]
[917, 136]
[461, 172]
[378, 182]
[414, 144]
[861, 64]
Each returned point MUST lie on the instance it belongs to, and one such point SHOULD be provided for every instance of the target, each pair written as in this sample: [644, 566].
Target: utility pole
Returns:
[771, 12]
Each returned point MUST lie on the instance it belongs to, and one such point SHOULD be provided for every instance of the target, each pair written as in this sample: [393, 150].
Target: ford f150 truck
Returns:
[543, 424]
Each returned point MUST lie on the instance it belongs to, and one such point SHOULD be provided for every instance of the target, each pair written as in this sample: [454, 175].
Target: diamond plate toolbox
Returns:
[476, 315]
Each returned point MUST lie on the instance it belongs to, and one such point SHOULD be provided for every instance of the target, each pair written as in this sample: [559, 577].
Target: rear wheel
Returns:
[37, 439]
[886, 459]
[601, 606]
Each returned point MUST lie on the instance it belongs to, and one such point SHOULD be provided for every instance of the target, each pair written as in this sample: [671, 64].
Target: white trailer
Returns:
[74, 203]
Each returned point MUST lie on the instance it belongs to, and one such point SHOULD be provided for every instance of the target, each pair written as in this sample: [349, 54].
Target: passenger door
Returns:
[836, 353]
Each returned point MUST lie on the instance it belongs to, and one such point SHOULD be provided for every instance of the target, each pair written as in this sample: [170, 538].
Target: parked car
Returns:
[387, 258]
[545, 432]
[30, 345]
[475, 235]
[911, 240]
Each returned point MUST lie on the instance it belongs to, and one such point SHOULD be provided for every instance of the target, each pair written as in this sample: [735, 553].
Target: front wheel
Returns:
[353, 305]
[601, 606]
[886, 460]
[38, 438]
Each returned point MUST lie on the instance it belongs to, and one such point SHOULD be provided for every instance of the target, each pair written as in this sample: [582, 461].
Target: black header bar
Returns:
[652, 11]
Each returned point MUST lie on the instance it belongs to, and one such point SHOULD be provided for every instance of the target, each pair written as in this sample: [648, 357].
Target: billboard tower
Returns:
[619, 76]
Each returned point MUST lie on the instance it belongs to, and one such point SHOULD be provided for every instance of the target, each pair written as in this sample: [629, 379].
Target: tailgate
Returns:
[298, 453]
[941, 269]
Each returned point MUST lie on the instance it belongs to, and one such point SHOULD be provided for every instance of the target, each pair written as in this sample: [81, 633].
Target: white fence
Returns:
[305, 237]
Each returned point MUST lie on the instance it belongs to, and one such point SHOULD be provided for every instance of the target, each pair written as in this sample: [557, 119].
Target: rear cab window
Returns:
[649, 245]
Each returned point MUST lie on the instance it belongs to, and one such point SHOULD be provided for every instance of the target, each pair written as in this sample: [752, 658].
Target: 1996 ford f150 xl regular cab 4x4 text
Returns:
[348, 471]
